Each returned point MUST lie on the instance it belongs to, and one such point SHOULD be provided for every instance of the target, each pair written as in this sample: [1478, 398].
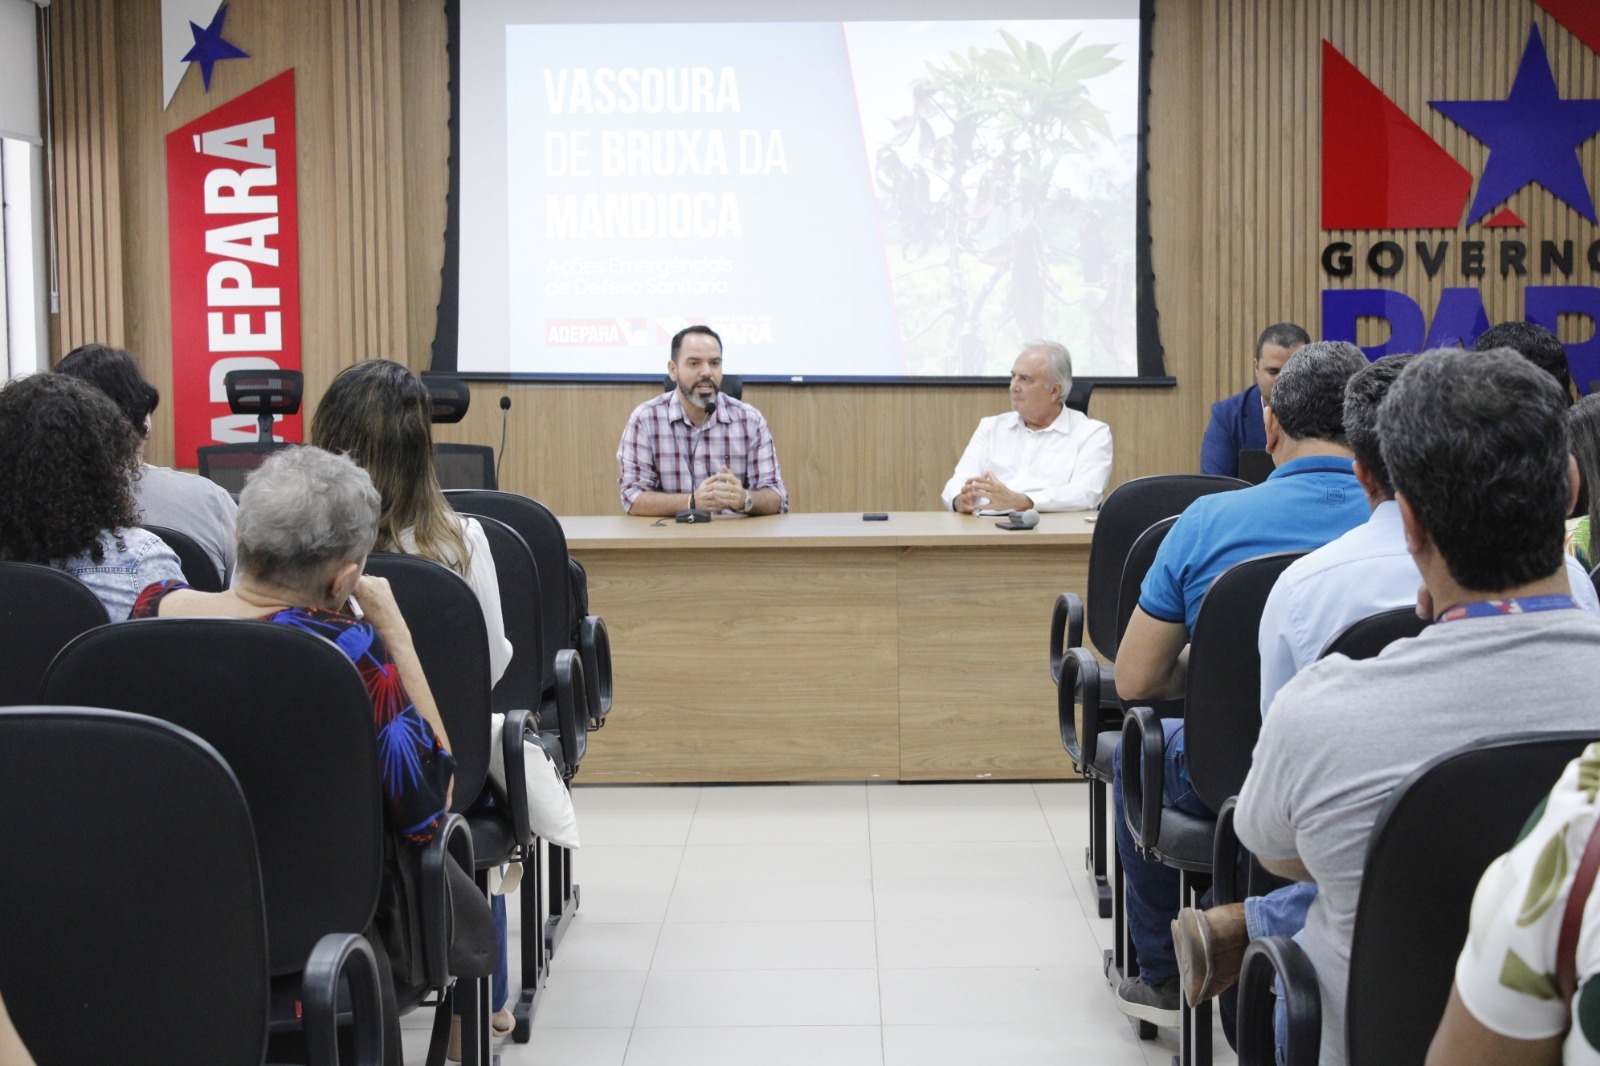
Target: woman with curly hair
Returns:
[67, 459]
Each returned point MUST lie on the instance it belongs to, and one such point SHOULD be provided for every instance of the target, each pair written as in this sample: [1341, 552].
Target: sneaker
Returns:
[1157, 1004]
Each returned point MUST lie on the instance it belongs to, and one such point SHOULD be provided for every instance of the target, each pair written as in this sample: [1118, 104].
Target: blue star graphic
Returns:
[1533, 136]
[210, 47]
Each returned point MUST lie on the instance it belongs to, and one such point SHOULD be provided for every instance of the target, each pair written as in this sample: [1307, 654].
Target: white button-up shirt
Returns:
[1062, 467]
[1366, 571]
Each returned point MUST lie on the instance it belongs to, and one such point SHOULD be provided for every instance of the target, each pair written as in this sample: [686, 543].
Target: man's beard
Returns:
[693, 397]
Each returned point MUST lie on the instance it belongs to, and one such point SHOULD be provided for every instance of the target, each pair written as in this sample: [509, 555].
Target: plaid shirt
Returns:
[654, 453]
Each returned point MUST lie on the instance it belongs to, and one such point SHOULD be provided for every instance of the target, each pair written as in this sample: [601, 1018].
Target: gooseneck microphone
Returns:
[696, 514]
[505, 416]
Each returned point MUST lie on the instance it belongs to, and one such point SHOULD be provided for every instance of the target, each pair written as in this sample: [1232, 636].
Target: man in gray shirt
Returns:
[1477, 450]
[166, 497]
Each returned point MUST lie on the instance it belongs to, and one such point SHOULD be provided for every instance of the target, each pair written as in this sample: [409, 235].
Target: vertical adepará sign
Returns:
[233, 232]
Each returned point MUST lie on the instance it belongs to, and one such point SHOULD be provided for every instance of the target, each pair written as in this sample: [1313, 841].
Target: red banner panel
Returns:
[233, 232]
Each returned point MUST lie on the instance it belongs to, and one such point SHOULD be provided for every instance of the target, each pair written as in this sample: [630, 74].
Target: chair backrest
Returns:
[732, 385]
[464, 466]
[1133, 507]
[134, 929]
[1077, 397]
[542, 532]
[1222, 703]
[1256, 465]
[198, 568]
[452, 642]
[520, 596]
[290, 714]
[448, 396]
[1438, 832]
[1136, 563]
[1366, 637]
[229, 465]
[41, 610]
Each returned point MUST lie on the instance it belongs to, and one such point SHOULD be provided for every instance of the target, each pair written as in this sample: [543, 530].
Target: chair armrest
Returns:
[348, 956]
[1144, 750]
[454, 839]
[1277, 958]
[1078, 682]
[519, 726]
[594, 649]
[572, 706]
[1225, 853]
[1066, 621]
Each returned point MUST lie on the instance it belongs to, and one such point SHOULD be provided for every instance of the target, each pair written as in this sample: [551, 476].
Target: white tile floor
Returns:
[835, 925]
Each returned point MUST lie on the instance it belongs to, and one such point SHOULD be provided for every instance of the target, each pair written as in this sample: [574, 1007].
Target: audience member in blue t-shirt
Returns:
[1310, 499]
[1236, 422]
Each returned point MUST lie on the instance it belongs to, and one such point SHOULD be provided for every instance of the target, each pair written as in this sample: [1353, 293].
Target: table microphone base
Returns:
[693, 514]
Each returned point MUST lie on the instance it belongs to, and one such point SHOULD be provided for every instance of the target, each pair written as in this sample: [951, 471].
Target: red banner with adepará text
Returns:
[234, 238]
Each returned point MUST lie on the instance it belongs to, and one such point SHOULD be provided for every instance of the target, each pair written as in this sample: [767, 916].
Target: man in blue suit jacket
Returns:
[1236, 423]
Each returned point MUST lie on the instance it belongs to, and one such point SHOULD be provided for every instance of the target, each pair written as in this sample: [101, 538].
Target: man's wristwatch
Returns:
[749, 503]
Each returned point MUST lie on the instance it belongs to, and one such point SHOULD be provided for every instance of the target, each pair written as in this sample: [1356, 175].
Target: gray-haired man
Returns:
[1042, 454]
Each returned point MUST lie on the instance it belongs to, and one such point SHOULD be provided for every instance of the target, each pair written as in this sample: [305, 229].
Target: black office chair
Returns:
[1077, 397]
[732, 385]
[199, 570]
[1130, 510]
[458, 466]
[522, 686]
[158, 953]
[267, 394]
[1422, 868]
[41, 610]
[1237, 874]
[291, 715]
[1222, 716]
[581, 675]
[452, 643]
[464, 466]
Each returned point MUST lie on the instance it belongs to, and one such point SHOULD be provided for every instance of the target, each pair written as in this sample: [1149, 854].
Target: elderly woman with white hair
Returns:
[307, 519]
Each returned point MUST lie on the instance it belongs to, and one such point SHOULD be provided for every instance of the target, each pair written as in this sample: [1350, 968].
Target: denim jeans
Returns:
[1151, 888]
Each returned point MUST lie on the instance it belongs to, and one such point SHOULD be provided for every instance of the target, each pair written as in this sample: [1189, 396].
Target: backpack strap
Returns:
[1572, 917]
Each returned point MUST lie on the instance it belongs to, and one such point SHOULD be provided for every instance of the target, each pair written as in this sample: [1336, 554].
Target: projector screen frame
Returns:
[1150, 354]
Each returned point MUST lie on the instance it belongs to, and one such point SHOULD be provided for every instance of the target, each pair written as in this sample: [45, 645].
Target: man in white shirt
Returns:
[1042, 455]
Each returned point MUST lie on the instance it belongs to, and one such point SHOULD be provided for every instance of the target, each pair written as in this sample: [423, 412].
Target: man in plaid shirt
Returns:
[734, 462]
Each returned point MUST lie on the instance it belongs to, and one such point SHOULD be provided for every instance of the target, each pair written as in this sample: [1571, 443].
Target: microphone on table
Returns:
[1020, 520]
[505, 416]
[696, 514]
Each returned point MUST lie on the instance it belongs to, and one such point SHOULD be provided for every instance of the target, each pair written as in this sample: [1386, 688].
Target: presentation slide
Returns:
[871, 199]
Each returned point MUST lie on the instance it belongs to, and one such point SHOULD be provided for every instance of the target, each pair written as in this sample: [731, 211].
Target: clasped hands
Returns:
[985, 492]
[720, 492]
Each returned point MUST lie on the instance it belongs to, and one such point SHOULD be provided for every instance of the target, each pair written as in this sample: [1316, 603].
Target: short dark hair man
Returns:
[672, 438]
[1535, 344]
[165, 497]
[1236, 423]
[1311, 498]
[1477, 447]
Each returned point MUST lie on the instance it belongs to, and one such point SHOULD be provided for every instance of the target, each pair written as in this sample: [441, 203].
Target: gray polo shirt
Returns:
[190, 504]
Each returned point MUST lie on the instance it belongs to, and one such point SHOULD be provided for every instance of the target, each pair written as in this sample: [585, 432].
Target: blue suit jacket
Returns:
[1236, 425]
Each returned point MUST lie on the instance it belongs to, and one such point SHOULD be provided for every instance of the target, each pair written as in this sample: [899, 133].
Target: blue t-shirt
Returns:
[1304, 504]
[1236, 425]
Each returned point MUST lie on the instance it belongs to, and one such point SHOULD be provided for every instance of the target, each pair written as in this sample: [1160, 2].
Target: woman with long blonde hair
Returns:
[379, 414]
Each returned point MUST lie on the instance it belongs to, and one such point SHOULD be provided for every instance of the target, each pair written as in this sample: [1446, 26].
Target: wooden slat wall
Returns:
[88, 174]
[1234, 153]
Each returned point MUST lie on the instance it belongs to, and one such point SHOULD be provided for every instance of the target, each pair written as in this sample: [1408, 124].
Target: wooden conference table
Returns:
[821, 647]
